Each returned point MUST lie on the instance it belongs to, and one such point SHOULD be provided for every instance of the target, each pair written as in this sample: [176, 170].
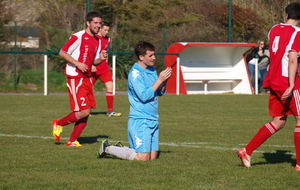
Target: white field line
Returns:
[207, 145]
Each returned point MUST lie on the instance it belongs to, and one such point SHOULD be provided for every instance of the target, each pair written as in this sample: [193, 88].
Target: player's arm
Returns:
[292, 69]
[103, 56]
[160, 83]
[81, 66]
[107, 51]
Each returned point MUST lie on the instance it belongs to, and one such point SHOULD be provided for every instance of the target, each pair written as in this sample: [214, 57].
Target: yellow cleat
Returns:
[75, 143]
[57, 129]
[113, 114]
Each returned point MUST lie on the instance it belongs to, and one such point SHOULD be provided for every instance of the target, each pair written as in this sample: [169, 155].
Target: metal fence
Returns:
[45, 65]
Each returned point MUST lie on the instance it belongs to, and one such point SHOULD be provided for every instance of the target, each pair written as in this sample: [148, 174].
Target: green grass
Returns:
[30, 81]
[199, 137]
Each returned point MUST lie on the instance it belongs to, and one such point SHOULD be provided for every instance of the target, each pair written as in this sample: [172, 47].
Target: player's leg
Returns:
[295, 107]
[106, 78]
[276, 107]
[58, 124]
[297, 142]
[265, 132]
[138, 137]
[77, 130]
[259, 138]
[109, 96]
[154, 155]
[146, 140]
[125, 153]
[154, 139]
[86, 100]
[81, 101]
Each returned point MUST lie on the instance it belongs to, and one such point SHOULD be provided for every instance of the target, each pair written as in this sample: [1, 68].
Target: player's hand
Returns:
[103, 55]
[165, 74]
[288, 92]
[82, 67]
[94, 69]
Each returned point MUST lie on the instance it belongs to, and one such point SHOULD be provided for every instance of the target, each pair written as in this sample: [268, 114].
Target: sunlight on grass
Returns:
[199, 136]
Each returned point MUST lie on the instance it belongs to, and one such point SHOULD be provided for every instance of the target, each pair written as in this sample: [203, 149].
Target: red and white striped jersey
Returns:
[282, 39]
[84, 48]
[103, 67]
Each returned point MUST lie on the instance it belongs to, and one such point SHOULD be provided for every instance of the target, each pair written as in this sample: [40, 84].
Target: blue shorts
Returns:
[143, 135]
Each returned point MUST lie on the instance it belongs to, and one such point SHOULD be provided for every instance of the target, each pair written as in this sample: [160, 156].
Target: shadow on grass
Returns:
[163, 152]
[91, 140]
[87, 140]
[98, 113]
[280, 156]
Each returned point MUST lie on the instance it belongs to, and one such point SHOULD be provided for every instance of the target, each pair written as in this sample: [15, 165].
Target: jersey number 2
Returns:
[83, 102]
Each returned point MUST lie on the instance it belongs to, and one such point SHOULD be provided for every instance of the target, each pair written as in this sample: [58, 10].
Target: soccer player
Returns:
[102, 71]
[144, 87]
[81, 51]
[284, 83]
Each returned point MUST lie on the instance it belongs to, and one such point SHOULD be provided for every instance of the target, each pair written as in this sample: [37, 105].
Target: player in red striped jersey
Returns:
[283, 81]
[102, 71]
[81, 51]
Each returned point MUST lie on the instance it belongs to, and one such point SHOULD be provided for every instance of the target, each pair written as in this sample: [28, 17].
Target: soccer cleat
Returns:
[75, 143]
[113, 114]
[103, 146]
[297, 168]
[245, 158]
[119, 144]
[57, 129]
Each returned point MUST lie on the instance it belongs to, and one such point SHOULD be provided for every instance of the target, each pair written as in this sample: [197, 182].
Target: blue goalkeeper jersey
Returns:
[142, 98]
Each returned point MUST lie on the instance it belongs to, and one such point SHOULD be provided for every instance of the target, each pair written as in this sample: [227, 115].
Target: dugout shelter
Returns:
[208, 68]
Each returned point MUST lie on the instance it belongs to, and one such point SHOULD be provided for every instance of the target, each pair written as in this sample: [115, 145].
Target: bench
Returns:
[208, 75]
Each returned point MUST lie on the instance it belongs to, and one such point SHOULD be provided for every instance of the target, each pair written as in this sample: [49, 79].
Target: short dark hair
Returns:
[293, 11]
[89, 17]
[142, 47]
[105, 23]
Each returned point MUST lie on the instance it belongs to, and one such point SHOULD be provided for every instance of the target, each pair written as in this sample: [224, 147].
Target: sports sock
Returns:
[77, 130]
[125, 153]
[110, 101]
[297, 144]
[261, 136]
[71, 118]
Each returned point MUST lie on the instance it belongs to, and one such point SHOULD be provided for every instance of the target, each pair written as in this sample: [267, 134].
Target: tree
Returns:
[161, 22]
[135, 20]
[247, 24]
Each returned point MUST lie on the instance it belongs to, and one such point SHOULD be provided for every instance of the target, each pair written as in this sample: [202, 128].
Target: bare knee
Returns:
[84, 113]
[279, 122]
[109, 86]
[142, 156]
[146, 156]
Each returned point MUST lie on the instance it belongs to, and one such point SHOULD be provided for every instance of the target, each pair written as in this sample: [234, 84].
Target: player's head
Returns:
[91, 15]
[104, 29]
[142, 47]
[105, 23]
[293, 11]
[145, 53]
[93, 22]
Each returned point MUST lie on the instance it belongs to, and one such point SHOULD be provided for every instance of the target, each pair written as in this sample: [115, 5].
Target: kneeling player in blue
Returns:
[144, 87]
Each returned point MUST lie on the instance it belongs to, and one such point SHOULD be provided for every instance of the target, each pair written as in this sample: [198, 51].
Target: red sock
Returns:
[261, 136]
[71, 118]
[78, 128]
[110, 101]
[297, 144]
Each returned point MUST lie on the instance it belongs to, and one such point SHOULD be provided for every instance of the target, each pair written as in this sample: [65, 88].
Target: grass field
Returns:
[199, 137]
